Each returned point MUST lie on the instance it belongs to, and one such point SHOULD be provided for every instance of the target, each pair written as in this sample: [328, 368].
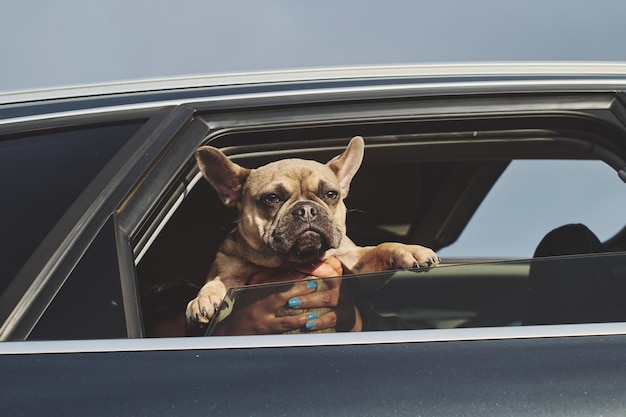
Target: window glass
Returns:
[529, 199]
[40, 176]
[547, 290]
[89, 304]
[533, 197]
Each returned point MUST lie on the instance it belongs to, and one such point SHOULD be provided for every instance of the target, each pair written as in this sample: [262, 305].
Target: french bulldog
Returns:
[290, 212]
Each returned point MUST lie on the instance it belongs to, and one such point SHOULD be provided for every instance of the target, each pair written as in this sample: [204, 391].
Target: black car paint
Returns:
[578, 376]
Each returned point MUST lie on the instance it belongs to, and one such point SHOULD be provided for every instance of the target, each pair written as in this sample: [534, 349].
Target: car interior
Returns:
[423, 188]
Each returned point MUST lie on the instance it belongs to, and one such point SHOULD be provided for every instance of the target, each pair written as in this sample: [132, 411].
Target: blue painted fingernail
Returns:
[310, 325]
[294, 302]
[311, 285]
[312, 316]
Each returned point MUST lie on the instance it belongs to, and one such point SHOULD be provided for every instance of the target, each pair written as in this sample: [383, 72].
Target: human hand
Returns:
[342, 303]
[259, 315]
[262, 315]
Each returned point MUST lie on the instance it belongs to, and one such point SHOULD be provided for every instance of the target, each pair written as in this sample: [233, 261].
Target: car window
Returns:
[90, 304]
[546, 290]
[40, 176]
[533, 197]
[525, 199]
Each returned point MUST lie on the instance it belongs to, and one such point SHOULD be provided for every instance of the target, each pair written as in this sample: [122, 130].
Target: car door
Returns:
[453, 146]
[65, 175]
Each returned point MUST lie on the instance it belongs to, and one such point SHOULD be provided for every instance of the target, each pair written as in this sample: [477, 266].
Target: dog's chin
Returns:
[309, 246]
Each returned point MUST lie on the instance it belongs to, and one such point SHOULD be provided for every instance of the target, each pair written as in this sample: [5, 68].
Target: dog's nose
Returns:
[305, 212]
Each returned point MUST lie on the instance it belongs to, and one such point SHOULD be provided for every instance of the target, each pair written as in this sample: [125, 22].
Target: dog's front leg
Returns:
[390, 256]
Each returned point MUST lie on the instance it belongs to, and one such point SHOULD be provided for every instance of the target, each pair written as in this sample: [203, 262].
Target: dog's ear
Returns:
[347, 164]
[224, 175]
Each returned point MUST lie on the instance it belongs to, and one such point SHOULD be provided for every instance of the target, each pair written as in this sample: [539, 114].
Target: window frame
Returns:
[590, 118]
[153, 172]
[48, 267]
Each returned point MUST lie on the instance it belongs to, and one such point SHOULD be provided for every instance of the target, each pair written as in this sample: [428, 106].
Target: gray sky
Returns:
[67, 42]
[54, 43]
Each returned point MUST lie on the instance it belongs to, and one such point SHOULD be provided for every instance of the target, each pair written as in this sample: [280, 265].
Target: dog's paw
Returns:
[402, 256]
[202, 308]
[389, 256]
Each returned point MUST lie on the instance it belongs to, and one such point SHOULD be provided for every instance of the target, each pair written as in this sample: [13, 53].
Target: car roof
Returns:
[484, 70]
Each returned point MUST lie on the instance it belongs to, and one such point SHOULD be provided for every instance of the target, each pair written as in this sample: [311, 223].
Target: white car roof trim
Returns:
[457, 87]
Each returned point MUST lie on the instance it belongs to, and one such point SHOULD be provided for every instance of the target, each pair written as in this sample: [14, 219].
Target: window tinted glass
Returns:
[531, 198]
[40, 176]
[89, 304]
[546, 290]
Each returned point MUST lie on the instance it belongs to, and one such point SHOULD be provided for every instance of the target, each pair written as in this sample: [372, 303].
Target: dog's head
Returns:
[292, 208]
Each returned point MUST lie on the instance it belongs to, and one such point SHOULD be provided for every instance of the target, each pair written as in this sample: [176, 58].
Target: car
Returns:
[513, 172]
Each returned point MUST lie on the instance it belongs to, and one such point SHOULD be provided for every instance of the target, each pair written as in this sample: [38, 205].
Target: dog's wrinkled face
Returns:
[295, 207]
[291, 208]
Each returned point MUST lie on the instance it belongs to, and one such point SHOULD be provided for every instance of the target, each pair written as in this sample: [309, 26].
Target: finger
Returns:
[287, 323]
[326, 298]
[315, 322]
[297, 290]
[304, 295]
[306, 321]
[333, 283]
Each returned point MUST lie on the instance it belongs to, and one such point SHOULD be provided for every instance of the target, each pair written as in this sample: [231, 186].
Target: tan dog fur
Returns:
[290, 212]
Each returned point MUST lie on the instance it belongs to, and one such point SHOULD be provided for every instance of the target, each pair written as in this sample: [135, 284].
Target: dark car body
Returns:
[103, 200]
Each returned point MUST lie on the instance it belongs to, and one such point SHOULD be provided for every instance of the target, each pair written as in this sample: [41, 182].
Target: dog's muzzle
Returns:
[305, 211]
[305, 232]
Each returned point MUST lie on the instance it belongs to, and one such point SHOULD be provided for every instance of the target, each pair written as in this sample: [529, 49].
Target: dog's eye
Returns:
[271, 198]
[332, 195]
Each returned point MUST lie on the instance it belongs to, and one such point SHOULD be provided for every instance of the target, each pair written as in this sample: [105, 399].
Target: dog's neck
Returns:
[236, 246]
[326, 268]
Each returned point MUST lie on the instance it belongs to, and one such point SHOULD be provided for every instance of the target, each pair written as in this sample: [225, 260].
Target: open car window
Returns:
[530, 202]
[533, 197]
[494, 200]
[546, 290]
